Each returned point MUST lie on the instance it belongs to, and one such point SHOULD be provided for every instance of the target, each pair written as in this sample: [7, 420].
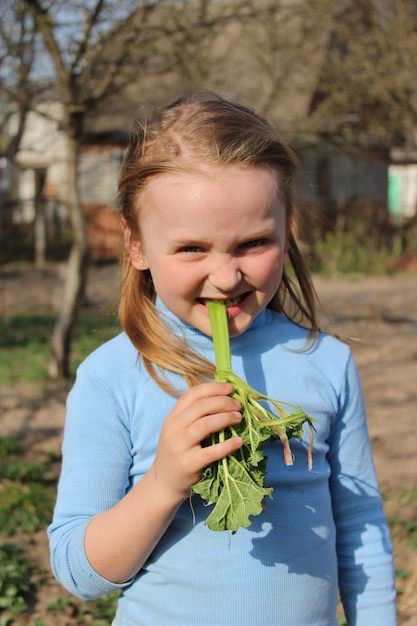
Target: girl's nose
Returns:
[225, 276]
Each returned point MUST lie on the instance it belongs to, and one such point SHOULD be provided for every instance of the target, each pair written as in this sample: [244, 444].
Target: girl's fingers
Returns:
[201, 419]
[212, 423]
[215, 452]
[206, 400]
[202, 392]
[201, 411]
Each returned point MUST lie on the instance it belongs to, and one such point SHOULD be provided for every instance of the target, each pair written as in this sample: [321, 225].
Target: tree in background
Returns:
[201, 40]
[97, 49]
[17, 54]
[287, 41]
[367, 90]
[18, 90]
[342, 69]
[90, 45]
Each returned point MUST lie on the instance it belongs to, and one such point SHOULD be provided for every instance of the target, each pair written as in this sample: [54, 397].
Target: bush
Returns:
[351, 250]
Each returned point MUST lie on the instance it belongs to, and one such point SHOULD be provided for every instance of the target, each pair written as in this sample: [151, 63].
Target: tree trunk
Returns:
[40, 221]
[77, 264]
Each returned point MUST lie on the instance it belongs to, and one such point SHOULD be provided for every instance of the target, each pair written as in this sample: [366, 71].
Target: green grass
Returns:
[28, 479]
[99, 612]
[26, 502]
[404, 530]
[27, 495]
[9, 447]
[25, 508]
[17, 581]
[27, 492]
[24, 343]
[403, 524]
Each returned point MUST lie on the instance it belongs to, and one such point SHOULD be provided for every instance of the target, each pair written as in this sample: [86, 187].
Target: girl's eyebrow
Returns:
[189, 239]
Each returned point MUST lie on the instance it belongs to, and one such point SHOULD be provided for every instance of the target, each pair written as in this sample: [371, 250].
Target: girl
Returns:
[206, 205]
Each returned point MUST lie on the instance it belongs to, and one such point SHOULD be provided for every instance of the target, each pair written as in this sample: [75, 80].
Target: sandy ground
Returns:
[376, 316]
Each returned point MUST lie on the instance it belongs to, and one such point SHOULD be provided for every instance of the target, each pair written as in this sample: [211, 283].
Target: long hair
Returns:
[201, 129]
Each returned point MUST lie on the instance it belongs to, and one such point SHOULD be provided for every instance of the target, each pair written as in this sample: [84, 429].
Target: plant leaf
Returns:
[239, 497]
[235, 484]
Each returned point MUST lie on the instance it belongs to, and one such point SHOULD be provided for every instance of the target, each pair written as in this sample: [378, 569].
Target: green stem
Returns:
[220, 333]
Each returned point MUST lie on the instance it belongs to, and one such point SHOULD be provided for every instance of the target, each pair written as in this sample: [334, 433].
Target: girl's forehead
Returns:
[207, 184]
[232, 193]
[207, 178]
[207, 174]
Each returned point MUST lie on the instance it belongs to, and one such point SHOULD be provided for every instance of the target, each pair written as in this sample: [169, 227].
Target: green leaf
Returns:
[240, 497]
[235, 484]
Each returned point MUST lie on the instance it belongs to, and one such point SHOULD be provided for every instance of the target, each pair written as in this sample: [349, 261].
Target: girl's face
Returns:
[213, 234]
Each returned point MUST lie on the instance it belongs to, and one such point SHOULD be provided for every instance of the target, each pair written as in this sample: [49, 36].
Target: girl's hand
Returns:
[180, 457]
[119, 540]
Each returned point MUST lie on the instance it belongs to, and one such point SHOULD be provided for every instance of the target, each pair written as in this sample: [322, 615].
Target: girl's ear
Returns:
[134, 248]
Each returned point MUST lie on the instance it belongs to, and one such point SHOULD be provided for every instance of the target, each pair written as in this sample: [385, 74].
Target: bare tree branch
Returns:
[90, 22]
[368, 86]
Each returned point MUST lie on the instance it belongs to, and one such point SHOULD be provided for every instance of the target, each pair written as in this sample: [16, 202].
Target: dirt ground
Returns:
[377, 316]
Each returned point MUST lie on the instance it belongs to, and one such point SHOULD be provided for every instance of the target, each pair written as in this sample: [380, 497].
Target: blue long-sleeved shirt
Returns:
[324, 529]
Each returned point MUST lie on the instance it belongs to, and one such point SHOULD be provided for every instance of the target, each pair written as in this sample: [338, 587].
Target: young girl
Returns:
[207, 211]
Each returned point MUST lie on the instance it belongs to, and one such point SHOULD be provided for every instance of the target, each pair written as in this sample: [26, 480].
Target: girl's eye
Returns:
[253, 243]
[191, 249]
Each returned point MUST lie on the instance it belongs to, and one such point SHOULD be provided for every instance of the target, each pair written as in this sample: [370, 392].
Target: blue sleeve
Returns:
[366, 576]
[94, 477]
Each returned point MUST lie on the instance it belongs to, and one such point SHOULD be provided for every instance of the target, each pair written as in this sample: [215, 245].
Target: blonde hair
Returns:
[206, 129]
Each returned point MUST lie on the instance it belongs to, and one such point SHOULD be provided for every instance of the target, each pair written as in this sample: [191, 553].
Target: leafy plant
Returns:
[404, 530]
[16, 583]
[24, 471]
[98, 612]
[403, 573]
[60, 604]
[24, 508]
[9, 446]
[403, 525]
[26, 498]
[407, 495]
[236, 483]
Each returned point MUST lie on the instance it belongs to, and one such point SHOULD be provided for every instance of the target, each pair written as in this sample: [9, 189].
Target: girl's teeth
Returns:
[233, 301]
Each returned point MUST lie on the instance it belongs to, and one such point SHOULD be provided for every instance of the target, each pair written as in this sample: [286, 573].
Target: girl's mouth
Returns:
[230, 302]
[236, 300]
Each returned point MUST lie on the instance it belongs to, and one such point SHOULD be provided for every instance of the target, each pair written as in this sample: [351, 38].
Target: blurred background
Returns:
[338, 78]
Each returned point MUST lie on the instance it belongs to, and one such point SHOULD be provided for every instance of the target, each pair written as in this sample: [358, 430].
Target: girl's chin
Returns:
[238, 325]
